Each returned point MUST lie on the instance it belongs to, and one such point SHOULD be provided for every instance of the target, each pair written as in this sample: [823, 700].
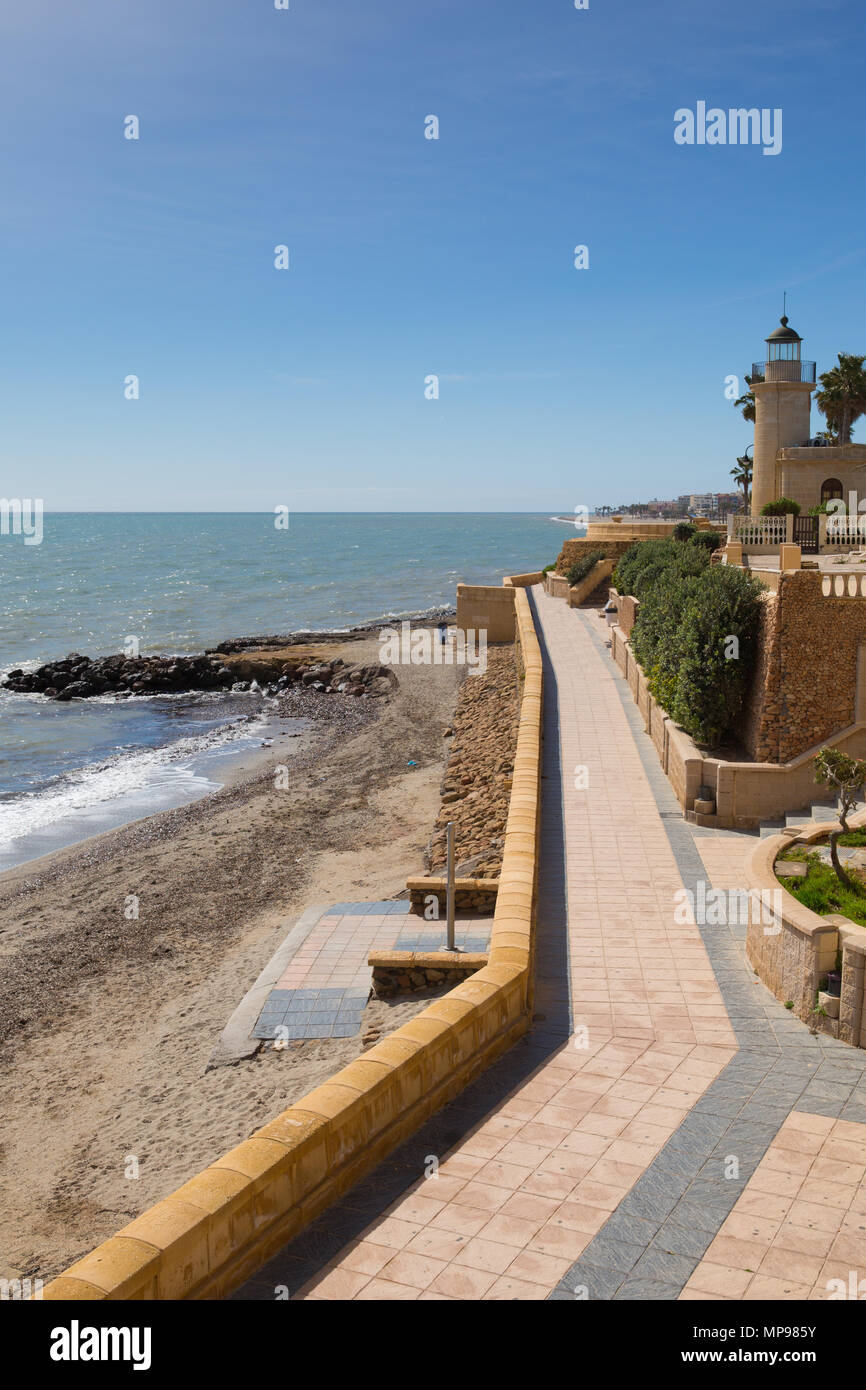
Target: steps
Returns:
[818, 811]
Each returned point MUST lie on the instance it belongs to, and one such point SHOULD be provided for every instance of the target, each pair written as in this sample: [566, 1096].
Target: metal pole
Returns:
[449, 901]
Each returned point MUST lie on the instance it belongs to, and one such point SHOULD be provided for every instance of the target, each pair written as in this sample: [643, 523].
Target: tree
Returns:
[746, 402]
[742, 476]
[842, 398]
[847, 776]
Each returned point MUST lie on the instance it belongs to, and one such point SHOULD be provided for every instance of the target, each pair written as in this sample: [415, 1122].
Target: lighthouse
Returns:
[782, 405]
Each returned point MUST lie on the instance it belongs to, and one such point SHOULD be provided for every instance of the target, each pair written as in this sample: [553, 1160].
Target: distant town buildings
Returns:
[709, 504]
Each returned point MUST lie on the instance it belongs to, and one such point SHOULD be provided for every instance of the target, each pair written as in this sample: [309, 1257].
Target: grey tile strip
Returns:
[658, 1234]
[237, 1041]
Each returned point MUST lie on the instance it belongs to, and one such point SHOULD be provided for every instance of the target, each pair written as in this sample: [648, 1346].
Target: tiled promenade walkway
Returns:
[617, 1151]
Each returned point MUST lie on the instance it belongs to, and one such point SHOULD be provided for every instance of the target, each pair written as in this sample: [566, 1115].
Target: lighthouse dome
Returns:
[783, 334]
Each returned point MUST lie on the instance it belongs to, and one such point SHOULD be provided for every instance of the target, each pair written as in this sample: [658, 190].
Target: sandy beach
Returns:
[108, 1023]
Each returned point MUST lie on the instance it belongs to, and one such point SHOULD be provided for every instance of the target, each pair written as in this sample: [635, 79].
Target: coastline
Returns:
[109, 1024]
[115, 787]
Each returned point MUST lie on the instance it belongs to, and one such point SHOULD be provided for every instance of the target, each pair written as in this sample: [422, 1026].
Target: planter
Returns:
[829, 1003]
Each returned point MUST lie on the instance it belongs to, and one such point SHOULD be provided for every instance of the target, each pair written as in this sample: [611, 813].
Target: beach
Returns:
[109, 1022]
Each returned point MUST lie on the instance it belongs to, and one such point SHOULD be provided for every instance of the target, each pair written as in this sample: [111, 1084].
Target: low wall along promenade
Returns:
[227, 1221]
[791, 954]
[744, 793]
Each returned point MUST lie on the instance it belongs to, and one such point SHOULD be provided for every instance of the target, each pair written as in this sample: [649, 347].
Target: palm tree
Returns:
[742, 476]
[842, 398]
[746, 402]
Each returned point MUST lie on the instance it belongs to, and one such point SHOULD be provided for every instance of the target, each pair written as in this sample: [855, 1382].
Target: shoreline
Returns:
[197, 773]
[109, 1024]
[304, 636]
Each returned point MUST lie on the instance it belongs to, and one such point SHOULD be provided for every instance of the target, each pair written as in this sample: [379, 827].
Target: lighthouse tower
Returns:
[782, 403]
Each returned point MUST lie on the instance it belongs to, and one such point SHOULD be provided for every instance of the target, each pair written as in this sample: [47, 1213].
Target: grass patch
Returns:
[821, 890]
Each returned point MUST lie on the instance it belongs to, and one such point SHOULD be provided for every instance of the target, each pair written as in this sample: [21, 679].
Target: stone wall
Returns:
[410, 972]
[573, 550]
[805, 681]
[791, 948]
[477, 783]
[470, 894]
[485, 608]
[594, 586]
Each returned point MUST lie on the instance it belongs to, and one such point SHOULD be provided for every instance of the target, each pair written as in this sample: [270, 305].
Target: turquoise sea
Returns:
[180, 582]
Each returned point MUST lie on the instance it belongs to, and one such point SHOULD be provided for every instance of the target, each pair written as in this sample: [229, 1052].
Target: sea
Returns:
[180, 583]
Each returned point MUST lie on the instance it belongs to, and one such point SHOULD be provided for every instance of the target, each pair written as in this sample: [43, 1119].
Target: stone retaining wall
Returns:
[486, 608]
[598, 575]
[470, 894]
[476, 786]
[745, 793]
[219, 1228]
[791, 950]
[573, 550]
[410, 972]
[808, 682]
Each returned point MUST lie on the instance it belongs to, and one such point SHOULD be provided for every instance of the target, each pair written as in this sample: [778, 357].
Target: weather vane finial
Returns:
[784, 302]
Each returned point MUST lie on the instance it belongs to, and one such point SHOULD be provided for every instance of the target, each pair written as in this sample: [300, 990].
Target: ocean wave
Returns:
[163, 773]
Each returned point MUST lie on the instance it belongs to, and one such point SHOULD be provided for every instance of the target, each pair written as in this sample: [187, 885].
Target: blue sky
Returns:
[409, 256]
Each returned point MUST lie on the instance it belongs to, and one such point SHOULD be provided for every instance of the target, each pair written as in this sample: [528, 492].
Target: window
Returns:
[831, 488]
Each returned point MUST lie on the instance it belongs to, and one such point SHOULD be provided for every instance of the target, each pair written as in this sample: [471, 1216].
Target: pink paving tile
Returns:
[536, 1181]
[417, 1271]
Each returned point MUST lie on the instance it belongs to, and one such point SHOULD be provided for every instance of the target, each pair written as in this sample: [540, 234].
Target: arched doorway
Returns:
[830, 489]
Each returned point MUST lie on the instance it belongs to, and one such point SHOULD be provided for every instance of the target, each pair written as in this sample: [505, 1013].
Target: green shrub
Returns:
[783, 506]
[659, 618]
[713, 672]
[689, 611]
[633, 561]
[577, 572]
[683, 531]
[647, 561]
[711, 540]
[547, 568]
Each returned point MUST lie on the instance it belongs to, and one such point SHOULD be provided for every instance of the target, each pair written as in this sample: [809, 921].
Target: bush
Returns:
[547, 568]
[710, 539]
[683, 531]
[576, 573]
[653, 636]
[713, 672]
[688, 613]
[783, 506]
[646, 561]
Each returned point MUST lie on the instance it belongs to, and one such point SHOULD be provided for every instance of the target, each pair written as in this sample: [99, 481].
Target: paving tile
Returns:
[567, 1163]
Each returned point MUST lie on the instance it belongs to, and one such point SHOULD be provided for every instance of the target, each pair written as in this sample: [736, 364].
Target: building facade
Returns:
[788, 462]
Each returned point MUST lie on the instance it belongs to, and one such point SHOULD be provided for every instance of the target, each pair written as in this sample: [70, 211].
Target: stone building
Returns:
[788, 461]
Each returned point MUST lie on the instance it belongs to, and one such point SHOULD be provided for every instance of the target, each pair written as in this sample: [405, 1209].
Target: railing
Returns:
[765, 533]
[843, 585]
[848, 532]
[784, 369]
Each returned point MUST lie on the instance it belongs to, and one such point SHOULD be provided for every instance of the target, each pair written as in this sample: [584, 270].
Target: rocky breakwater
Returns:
[78, 677]
[477, 785]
